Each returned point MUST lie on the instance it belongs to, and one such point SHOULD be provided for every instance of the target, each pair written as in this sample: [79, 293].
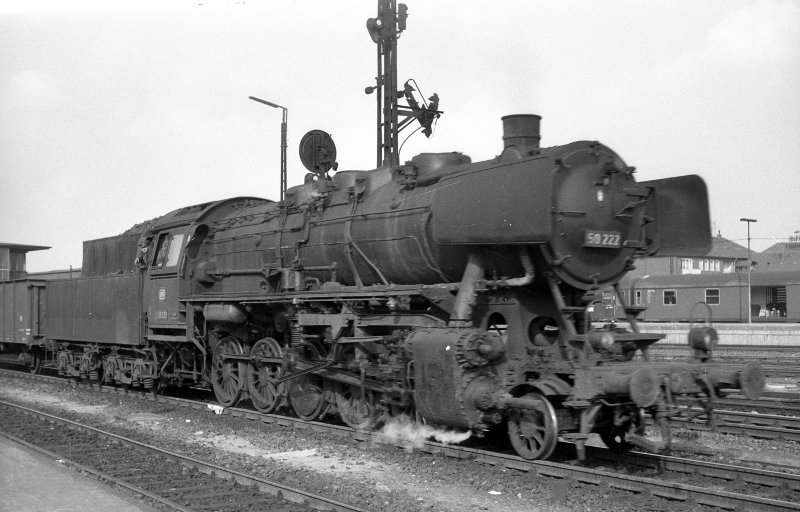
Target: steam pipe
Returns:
[465, 299]
[527, 264]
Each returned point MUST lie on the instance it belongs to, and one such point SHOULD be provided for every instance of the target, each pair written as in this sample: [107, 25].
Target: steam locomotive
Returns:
[458, 292]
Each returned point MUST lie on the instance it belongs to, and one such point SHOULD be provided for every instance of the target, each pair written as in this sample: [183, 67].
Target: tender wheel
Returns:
[534, 434]
[109, 370]
[35, 361]
[264, 393]
[227, 377]
[64, 363]
[307, 392]
[616, 437]
[159, 385]
[355, 412]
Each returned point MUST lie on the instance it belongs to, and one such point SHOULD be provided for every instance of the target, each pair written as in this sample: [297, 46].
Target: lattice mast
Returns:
[385, 29]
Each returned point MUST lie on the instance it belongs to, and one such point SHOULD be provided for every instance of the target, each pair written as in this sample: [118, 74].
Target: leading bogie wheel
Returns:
[227, 377]
[265, 394]
[534, 433]
[615, 437]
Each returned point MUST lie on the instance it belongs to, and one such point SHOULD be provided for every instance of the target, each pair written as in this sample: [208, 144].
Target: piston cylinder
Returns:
[643, 385]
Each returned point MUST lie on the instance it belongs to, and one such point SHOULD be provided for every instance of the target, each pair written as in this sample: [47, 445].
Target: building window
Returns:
[670, 297]
[17, 261]
[712, 296]
[686, 264]
[638, 297]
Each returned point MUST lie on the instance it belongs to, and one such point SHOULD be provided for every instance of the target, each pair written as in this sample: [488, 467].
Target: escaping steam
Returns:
[402, 429]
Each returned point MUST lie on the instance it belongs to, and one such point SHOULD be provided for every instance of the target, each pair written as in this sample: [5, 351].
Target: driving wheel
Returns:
[264, 392]
[227, 377]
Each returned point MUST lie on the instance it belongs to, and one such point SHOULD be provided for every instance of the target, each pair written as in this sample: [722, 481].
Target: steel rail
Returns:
[661, 488]
[99, 474]
[785, 407]
[759, 426]
[727, 472]
[274, 488]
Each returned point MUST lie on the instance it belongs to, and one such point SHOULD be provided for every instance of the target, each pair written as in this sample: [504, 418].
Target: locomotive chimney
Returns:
[521, 133]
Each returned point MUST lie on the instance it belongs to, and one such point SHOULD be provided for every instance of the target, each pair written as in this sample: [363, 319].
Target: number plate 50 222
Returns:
[605, 239]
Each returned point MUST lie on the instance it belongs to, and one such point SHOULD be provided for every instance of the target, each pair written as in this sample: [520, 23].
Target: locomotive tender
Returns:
[459, 292]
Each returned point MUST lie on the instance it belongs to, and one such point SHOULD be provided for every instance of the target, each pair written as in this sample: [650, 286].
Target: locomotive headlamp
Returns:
[374, 26]
[601, 339]
[703, 340]
[607, 340]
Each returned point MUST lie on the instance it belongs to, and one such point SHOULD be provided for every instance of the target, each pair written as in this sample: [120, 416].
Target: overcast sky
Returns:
[110, 116]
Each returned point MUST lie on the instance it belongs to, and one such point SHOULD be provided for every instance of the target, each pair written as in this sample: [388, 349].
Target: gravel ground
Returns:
[371, 475]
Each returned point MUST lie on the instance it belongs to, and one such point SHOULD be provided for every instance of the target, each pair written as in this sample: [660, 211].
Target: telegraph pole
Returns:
[749, 271]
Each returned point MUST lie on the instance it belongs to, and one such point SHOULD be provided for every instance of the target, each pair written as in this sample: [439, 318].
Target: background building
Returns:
[781, 256]
[13, 260]
[725, 256]
[670, 286]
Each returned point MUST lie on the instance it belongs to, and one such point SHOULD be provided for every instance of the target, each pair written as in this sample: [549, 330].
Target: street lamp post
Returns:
[749, 271]
[283, 141]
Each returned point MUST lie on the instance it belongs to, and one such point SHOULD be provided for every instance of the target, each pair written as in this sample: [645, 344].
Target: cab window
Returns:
[168, 250]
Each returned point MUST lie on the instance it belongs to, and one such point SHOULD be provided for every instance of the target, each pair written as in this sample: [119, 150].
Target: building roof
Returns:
[724, 248]
[768, 261]
[783, 247]
[22, 247]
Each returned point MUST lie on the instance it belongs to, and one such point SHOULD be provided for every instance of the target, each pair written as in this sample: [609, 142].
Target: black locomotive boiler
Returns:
[457, 292]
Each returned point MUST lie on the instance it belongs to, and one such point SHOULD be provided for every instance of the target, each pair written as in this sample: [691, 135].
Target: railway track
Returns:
[775, 490]
[789, 405]
[780, 422]
[169, 480]
[758, 426]
[777, 363]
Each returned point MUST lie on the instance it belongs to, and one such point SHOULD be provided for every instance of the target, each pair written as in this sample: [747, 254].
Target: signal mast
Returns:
[384, 30]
